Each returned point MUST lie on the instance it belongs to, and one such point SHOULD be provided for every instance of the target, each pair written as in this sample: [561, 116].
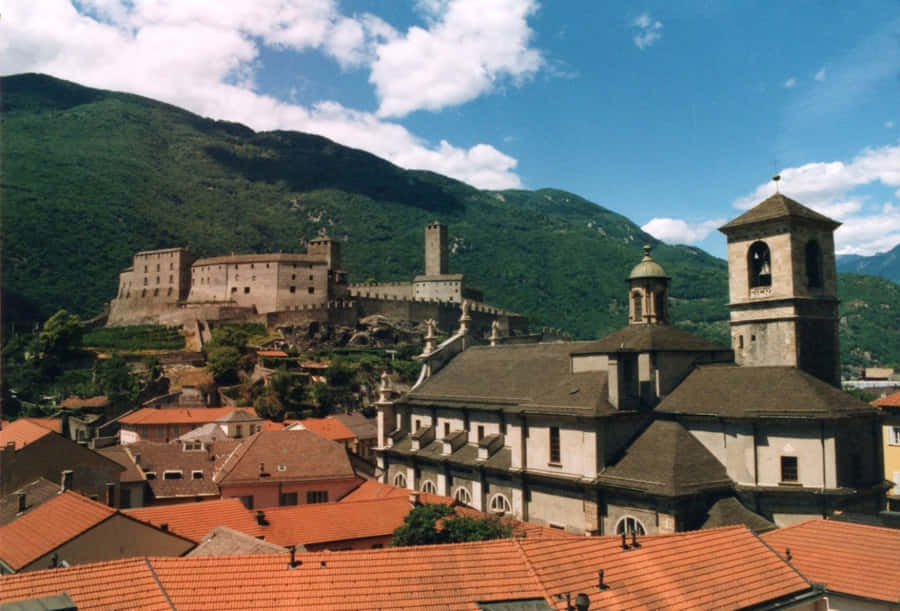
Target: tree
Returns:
[430, 524]
[154, 368]
[223, 362]
[116, 380]
[269, 406]
[288, 387]
[230, 335]
[60, 335]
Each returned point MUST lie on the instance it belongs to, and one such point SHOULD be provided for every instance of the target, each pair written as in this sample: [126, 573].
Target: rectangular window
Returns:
[789, 469]
[317, 496]
[287, 498]
[311, 290]
[293, 289]
[246, 290]
[446, 429]
[196, 474]
[480, 432]
[418, 425]
[554, 445]
[247, 501]
[895, 436]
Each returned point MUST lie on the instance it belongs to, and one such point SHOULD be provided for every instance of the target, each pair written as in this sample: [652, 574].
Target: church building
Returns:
[653, 429]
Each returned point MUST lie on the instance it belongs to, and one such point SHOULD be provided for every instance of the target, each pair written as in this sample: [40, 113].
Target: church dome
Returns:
[647, 268]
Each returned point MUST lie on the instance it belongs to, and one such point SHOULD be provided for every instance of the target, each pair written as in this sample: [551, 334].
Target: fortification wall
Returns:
[382, 290]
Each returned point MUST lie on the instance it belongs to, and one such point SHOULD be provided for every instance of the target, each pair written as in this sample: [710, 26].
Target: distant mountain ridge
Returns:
[92, 176]
[884, 264]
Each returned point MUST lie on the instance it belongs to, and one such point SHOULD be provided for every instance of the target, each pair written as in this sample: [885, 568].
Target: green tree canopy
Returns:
[60, 334]
[223, 362]
[430, 524]
[268, 405]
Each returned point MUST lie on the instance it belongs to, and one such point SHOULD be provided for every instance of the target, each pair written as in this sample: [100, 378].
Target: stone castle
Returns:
[172, 287]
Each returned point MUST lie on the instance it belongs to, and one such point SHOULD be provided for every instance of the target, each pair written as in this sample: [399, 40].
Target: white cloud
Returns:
[790, 83]
[649, 30]
[204, 56]
[677, 231]
[821, 75]
[828, 187]
[470, 47]
[889, 124]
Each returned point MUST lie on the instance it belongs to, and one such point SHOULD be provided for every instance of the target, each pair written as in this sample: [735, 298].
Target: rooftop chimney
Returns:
[164, 526]
[65, 482]
[20, 497]
[600, 585]
[787, 553]
[294, 563]
[261, 518]
[137, 459]
[582, 602]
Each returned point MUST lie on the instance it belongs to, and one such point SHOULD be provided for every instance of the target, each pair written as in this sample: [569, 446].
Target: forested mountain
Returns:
[884, 264]
[91, 176]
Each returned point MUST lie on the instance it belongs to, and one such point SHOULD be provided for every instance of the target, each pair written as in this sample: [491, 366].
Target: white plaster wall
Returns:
[578, 449]
[796, 439]
[589, 362]
[489, 420]
[547, 508]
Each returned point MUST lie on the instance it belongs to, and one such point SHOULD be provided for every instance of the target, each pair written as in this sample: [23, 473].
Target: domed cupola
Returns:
[648, 296]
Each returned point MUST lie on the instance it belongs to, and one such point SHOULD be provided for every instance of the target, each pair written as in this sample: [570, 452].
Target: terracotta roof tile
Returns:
[848, 558]
[272, 353]
[370, 489]
[45, 528]
[78, 402]
[180, 415]
[118, 584]
[54, 424]
[329, 428]
[892, 400]
[304, 456]
[21, 432]
[194, 520]
[722, 568]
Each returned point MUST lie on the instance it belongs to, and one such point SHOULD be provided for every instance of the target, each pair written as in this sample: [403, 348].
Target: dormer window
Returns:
[759, 265]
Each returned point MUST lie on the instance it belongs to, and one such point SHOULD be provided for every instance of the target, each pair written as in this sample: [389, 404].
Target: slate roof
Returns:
[715, 569]
[306, 456]
[730, 512]
[36, 493]
[848, 558]
[517, 377]
[194, 520]
[21, 432]
[666, 460]
[45, 528]
[466, 454]
[778, 206]
[223, 541]
[120, 455]
[362, 427]
[158, 457]
[650, 338]
[760, 392]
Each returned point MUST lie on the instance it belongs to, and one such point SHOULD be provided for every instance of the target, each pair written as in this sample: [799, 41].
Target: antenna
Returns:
[775, 179]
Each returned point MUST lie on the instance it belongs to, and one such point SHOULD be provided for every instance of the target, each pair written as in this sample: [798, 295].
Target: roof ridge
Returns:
[159, 584]
[517, 543]
[225, 469]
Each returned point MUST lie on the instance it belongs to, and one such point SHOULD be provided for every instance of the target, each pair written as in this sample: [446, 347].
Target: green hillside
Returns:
[91, 176]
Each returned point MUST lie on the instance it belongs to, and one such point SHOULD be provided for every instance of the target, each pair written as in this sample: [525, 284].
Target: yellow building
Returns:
[891, 433]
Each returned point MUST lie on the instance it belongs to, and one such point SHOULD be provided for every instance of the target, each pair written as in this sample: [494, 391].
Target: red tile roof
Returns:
[370, 489]
[194, 520]
[45, 528]
[180, 415]
[77, 402]
[286, 456]
[329, 428]
[21, 432]
[892, 400]
[848, 558]
[118, 584]
[54, 424]
[272, 353]
[712, 569]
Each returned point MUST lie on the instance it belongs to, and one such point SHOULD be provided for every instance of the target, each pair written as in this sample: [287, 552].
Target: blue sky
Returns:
[675, 114]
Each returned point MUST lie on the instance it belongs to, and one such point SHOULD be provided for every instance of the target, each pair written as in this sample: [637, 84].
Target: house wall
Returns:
[268, 494]
[116, 537]
[556, 508]
[891, 451]
[578, 445]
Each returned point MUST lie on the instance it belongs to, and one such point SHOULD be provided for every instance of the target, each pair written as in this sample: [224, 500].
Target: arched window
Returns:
[500, 504]
[813, 264]
[630, 525]
[759, 265]
[636, 300]
[400, 480]
[462, 495]
[428, 486]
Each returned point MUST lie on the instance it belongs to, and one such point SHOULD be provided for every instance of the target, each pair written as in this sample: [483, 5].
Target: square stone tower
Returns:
[435, 249]
[783, 288]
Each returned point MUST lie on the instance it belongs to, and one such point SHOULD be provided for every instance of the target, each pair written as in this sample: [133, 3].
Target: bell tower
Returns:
[648, 293]
[783, 288]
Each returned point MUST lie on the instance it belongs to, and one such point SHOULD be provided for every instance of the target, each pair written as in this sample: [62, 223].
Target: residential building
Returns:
[223, 541]
[858, 564]
[890, 433]
[725, 568]
[31, 495]
[366, 431]
[72, 529]
[275, 468]
[195, 520]
[29, 451]
[157, 424]
[329, 428]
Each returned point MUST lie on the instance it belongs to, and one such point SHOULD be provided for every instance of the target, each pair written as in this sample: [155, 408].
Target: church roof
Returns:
[730, 512]
[649, 338]
[666, 459]
[523, 377]
[760, 392]
[647, 268]
[777, 206]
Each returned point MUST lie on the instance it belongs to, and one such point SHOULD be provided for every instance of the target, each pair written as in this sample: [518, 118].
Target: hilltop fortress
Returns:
[171, 287]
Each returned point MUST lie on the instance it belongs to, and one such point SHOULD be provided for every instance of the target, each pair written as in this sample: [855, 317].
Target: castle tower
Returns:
[325, 247]
[783, 288]
[648, 293]
[435, 249]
